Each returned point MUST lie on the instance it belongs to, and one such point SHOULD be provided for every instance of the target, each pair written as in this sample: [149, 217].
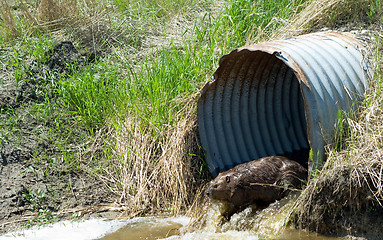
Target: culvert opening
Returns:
[253, 108]
[280, 98]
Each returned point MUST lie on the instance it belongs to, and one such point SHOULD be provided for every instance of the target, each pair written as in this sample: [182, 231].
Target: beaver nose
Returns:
[210, 189]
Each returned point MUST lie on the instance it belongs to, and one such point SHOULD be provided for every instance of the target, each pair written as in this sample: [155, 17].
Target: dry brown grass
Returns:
[155, 175]
[88, 22]
[322, 13]
[53, 14]
[8, 28]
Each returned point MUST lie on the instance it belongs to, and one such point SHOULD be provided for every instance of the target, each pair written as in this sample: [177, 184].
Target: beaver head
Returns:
[223, 186]
[260, 181]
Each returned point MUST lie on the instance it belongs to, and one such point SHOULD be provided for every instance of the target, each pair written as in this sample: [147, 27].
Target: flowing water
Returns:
[248, 224]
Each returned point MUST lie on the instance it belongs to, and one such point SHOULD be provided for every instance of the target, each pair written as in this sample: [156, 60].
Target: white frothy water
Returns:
[249, 224]
[214, 230]
[252, 223]
[66, 230]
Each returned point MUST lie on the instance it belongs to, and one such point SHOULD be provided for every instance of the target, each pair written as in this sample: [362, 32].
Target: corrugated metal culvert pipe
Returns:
[280, 98]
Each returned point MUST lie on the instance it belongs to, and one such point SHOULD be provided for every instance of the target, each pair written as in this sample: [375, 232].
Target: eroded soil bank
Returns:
[37, 185]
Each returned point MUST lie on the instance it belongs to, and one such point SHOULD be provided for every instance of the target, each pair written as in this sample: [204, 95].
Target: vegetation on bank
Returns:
[143, 97]
[128, 115]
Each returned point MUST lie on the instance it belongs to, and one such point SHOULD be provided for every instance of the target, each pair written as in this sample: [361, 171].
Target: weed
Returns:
[37, 199]
[375, 11]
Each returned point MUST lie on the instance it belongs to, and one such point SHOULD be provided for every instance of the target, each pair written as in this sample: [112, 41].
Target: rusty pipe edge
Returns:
[280, 98]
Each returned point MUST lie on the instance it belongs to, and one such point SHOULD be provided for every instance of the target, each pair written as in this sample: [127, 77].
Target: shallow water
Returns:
[144, 228]
[250, 224]
[149, 228]
[171, 229]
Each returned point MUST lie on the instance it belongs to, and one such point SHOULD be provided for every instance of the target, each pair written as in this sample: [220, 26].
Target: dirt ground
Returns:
[35, 186]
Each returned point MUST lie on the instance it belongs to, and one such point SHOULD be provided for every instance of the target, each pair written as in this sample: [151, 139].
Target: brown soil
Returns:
[341, 203]
[35, 185]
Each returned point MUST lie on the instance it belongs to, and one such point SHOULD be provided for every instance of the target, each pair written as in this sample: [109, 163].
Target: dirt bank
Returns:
[36, 184]
[341, 202]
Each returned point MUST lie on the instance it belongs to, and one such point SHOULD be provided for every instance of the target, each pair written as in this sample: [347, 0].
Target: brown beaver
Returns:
[261, 182]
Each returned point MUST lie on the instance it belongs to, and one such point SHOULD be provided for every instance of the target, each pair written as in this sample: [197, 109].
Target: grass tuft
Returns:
[151, 173]
[328, 13]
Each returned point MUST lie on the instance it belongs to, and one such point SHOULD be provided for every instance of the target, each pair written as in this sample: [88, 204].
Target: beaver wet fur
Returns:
[260, 182]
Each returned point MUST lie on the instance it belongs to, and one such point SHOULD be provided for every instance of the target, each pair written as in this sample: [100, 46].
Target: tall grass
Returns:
[252, 21]
[94, 94]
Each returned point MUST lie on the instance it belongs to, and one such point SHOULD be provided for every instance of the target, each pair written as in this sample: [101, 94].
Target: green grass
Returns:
[244, 20]
[152, 90]
[178, 71]
[93, 93]
[39, 204]
[375, 11]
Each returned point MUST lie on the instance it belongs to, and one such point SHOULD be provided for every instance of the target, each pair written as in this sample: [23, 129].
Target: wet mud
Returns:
[35, 182]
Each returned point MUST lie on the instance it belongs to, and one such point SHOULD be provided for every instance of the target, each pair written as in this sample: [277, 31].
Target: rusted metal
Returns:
[280, 98]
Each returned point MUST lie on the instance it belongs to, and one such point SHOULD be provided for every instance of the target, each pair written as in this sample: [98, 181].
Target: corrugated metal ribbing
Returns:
[279, 98]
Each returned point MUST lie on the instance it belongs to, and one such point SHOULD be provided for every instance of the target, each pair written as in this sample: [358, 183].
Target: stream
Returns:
[143, 228]
[249, 224]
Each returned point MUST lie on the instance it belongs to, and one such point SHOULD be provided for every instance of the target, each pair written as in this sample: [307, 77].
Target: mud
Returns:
[341, 203]
[36, 184]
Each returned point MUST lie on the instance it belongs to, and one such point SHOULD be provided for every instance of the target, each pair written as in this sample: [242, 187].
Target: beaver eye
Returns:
[227, 179]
